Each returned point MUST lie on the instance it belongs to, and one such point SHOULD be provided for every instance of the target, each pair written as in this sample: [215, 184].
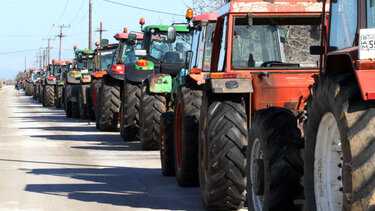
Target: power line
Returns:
[63, 12]
[145, 9]
[20, 51]
[74, 18]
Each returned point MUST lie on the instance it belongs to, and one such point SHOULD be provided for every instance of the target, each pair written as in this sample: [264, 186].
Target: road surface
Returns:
[50, 162]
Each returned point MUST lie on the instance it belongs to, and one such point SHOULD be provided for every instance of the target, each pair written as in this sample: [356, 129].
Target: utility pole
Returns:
[100, 30]
[48, 49]
[90, 23]
[61, 36]
[25, 64]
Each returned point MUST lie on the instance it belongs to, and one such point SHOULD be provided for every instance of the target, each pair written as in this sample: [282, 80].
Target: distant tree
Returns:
[203, 6]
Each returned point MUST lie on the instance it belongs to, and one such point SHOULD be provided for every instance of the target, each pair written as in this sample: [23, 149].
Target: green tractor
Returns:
[103, 57]
[150, 83]
[73, 78]
[87, 67]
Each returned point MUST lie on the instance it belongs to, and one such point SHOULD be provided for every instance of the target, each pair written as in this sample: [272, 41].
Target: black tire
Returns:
[186, 134]
[166, 144]
[95, 95]
[74, 103]
[35, 97]
[49, 96]
[82, 102]
[222, 136]
[59, 96]
[41, 90]
[151, 107]
[129, 125]
[28, 89]
[91, 113]
[280, 142]
[339, 95]
[68, 103]
[109, 104]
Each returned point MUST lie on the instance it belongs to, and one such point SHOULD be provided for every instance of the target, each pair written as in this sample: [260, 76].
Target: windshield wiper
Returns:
[278, 64]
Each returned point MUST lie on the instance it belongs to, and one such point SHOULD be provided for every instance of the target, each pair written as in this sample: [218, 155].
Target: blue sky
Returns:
[24, 23]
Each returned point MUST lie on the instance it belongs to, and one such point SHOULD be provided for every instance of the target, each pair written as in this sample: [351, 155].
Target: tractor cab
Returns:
[200, 57]
[103, 58]
[35, 75]
[124, 54]
[57, 70]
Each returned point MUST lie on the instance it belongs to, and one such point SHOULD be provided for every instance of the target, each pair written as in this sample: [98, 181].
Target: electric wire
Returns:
[145, 9]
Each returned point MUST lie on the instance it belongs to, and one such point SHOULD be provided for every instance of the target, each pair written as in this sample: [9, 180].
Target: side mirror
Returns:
[132, 38]
[172, 34]
[104, 42]
[140, 53]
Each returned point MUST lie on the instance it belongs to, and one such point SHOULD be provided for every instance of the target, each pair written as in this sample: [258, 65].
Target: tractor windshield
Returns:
[106, 57]
[170, 52]
[274, 45]
[128, 52]
[36, 75]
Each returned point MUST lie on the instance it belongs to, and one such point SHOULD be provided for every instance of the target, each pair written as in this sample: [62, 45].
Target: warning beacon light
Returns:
[75, 47]
[189, 14]
[125, 30]
[97, 43]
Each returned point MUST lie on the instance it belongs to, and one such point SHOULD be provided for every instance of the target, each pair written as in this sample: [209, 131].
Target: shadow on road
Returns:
[121, 186]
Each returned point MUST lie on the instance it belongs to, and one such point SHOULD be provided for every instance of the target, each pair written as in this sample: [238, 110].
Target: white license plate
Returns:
[84, 71]
[367, 44]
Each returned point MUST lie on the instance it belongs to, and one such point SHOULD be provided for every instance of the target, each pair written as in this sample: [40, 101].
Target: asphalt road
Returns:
[50, 162]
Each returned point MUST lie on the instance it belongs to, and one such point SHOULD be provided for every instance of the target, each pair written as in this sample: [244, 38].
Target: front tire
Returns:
[222, 136]
[131, 96]
[151, 107]
[274, 165]
[82, 102]
[186, 132]
[340, 129]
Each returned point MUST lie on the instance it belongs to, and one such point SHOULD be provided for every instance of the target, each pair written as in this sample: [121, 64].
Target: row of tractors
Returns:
[268, 102]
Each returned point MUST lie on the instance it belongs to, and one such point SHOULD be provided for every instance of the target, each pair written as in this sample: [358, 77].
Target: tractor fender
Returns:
[115, 75]
[160, 83]
[346, 60]
[72, 80]
[51, 80]
[134, 75]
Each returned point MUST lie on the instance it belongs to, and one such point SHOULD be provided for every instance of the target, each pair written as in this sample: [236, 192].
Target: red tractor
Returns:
[260, 59]
[112, 82]
[179, 129]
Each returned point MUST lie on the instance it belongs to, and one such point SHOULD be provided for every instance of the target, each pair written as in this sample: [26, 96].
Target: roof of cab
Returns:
[210, 16]
[124, 36]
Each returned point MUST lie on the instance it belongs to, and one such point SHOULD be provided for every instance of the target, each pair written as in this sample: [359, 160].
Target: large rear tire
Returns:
[68, 102]
[35, 92]
[186, 134]
[82, 101]
[222, 136]
[274, 165]
[110, 102]
[95, 95]
[41, 90]
[166, 144]
[129, 125]
[151, 107]
[49, 96]
[341, 130]
[59, 96]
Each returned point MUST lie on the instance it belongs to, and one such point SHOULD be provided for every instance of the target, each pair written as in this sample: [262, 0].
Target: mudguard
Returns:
[51, 81]
[73, 79]
[160, 83]
[115, 76]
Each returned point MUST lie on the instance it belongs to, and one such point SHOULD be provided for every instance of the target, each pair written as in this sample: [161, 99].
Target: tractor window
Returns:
[208, 46]
[343, 23]
[274, 45]
[128, 52]
[196, 47]
[106, 57]
[370, 13]
[223, 46]
[170, 52]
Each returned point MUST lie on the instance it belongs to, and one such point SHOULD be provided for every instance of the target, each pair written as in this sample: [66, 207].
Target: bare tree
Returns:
[203, 6]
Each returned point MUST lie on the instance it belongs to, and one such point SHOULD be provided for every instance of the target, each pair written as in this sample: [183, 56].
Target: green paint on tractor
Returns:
[150, 66]
[60, 83]
[165, 28]
[78, 75]
[84, 51]
[160, 83]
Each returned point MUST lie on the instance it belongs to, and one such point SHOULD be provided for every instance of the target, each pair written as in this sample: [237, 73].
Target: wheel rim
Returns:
[256, 153]
[178, 137]
[327, 165]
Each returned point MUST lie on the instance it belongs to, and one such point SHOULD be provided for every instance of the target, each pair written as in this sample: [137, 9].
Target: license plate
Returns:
[84, 71]
[367, 44]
